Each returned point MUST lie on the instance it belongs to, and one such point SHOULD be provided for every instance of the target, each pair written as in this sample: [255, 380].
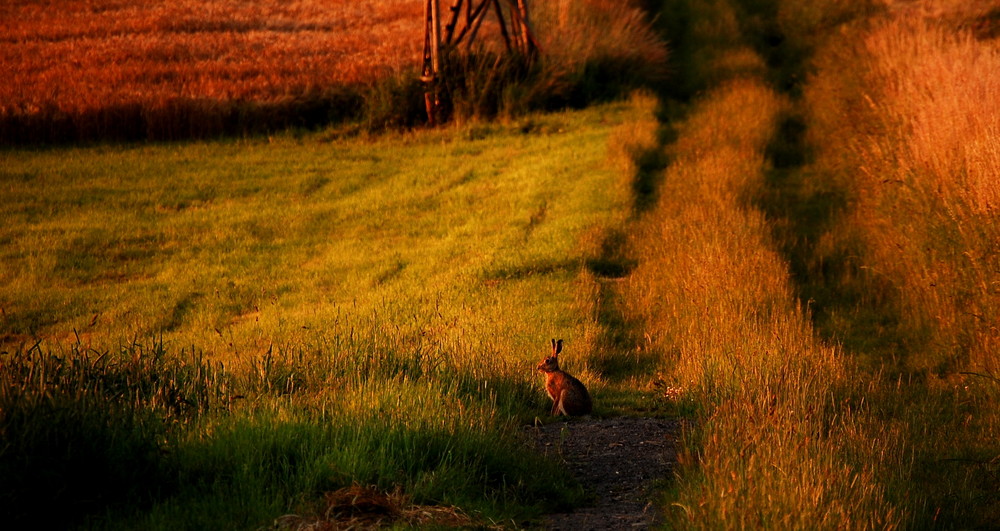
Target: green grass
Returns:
[272, 318]
[241, 237]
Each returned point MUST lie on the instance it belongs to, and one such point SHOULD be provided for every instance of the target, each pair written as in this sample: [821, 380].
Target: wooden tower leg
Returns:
[432, 58]
[513, 25]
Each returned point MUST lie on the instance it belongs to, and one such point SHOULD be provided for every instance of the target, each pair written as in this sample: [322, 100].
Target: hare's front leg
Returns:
[556, 401]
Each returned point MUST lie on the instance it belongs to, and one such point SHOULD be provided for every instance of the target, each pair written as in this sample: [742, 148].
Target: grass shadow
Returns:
[650, 164]
[808, 209]
[847, 305]
[622, 356]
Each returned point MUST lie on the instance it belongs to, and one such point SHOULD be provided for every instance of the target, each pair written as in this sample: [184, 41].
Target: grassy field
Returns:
[215, 50]
[324, 311]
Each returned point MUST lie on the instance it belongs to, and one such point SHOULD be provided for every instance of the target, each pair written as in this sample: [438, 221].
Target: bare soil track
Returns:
[618, 461]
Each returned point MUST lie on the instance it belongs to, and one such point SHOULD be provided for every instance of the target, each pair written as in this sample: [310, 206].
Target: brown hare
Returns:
[569, 396]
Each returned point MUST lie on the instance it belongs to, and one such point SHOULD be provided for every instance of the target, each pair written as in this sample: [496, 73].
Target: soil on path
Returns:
[618, 461]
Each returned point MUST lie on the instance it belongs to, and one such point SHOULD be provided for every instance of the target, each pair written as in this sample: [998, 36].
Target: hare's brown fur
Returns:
[569, 395]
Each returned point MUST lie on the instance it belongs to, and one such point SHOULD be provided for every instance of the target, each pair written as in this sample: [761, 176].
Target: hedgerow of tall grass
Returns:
[779, 438]
[767, 451]
[901, 115]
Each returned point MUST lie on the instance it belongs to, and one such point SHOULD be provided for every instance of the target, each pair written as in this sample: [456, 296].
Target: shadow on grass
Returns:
[846, 305]
[622, 355]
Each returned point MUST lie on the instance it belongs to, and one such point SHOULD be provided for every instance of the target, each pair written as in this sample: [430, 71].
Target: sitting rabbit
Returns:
[569, 396]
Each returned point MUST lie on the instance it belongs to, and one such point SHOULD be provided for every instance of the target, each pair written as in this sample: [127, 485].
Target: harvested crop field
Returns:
[88, 67]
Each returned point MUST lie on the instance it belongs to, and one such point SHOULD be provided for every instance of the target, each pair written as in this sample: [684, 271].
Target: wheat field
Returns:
[81, 56]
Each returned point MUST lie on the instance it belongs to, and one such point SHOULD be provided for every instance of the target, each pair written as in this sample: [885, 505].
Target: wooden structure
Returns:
[461, 28]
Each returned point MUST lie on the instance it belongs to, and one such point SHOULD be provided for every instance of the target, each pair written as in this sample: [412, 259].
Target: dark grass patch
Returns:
[987, 27]
[613, 261]
[529, 269]
[118, 437]
[87, 432]
[181, 119]
[98, 255]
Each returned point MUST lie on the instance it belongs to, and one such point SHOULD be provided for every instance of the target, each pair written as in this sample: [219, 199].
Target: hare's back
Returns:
[576, 399]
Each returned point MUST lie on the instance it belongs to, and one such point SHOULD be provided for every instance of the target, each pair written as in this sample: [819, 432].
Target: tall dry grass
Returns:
[938, 162]
[787, 433]
[902, 114]
[917, 137]
[714, 299]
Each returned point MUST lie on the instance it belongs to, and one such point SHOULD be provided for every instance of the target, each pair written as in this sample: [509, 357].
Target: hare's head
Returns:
[551, 363]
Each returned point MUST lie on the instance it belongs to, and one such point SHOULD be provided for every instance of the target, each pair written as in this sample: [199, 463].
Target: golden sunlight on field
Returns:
[79, 55]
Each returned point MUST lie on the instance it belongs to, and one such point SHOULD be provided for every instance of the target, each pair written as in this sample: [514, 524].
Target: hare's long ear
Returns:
[554, 351]
[558, 347]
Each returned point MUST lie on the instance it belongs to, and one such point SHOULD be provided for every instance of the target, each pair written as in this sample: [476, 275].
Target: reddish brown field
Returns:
[87, 65]
[86, 70]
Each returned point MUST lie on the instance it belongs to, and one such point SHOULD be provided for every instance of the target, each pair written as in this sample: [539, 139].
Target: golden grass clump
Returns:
[611, 31]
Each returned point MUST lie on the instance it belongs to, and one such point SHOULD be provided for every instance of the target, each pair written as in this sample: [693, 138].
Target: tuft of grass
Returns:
[596, 50]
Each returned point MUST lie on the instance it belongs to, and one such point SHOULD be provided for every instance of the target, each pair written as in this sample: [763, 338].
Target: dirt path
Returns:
[617, 460]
